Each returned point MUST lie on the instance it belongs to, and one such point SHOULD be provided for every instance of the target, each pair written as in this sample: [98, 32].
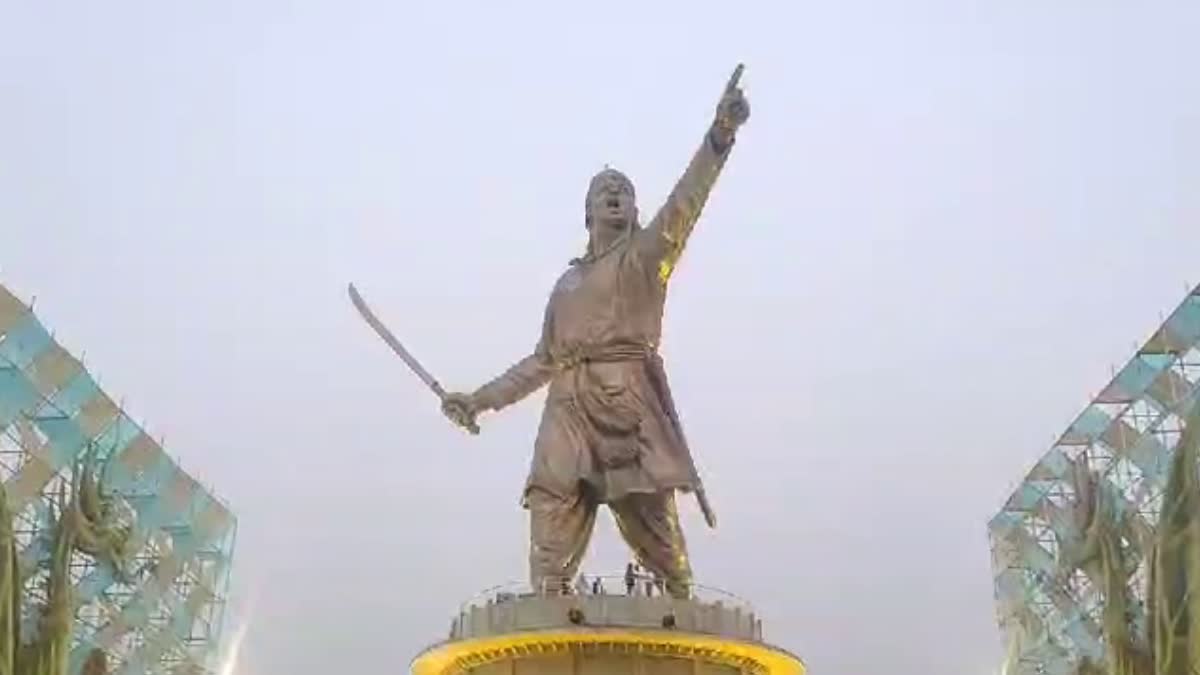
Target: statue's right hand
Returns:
[733, 110]
[462, 410]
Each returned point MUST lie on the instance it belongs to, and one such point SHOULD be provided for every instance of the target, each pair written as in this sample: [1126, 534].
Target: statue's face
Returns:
[610, 203]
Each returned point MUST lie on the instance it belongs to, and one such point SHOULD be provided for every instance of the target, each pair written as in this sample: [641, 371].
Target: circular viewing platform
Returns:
[603, 627]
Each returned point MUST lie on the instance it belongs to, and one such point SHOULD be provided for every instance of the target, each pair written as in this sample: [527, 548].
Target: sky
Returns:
[943, 226]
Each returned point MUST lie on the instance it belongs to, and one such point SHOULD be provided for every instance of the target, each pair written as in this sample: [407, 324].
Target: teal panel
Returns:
[1084, 640]
[37, 550]
[1136, 377]
[81, 389]
[1057, 463]
[159, 513]
[66, 439]
[24, 316]
[183, 537]
[1158, 362]
[46, 410]
[148, 481]
[1010, 584]
[1092, 423]
[1042, 486]
[1024, 498]
[182, 619]
[1004, 520]
[94, 583]
[1184, 322]
[116, 438]
[24, 341]
[1062, 521]
[1150, 457]
[1052, 467]
[17, 395]
[1037, 558]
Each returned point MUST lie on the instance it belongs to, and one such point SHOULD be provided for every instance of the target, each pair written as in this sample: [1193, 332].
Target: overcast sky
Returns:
[944, 224]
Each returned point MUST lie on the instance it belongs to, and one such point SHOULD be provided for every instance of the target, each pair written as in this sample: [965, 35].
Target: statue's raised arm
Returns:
[663, 240]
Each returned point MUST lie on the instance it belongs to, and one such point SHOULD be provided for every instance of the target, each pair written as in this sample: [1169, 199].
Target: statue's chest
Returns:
[587, 287]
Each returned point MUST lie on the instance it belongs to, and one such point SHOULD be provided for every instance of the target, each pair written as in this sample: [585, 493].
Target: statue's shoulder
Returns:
[570, 278]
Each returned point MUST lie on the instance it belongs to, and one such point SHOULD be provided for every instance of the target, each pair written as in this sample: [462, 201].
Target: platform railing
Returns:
[601, 598]
[584, 586]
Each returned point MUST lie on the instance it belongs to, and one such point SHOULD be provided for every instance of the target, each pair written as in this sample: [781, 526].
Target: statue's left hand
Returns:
[733, 110]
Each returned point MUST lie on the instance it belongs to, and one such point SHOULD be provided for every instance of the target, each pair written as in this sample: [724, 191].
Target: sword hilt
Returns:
[459, 417]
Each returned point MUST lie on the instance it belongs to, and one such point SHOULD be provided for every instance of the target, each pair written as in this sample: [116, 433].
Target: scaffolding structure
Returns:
[1049, 612]
[163, 613]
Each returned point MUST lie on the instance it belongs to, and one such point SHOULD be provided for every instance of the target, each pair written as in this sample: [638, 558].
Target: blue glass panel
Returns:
[94, 583]
[1010, 585]
[152, 515]
[1062, 521]
[46, 409]
[1042, 486]
[1084, 640]
[81, 389]
[1150, 457]
[1136, 376]
[24, 341]
[17, 395]
[1185, 321]
[1158, 362]
[1092, 423]
[182, 619]
[1037, 558]
[1024, 498]
[183, 537]
[1056, 463]
[66, 440]
[117, 436]
[147, 481]
[1003, 521]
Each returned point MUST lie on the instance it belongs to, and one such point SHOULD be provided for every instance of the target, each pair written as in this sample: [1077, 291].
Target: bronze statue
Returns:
[610, 433]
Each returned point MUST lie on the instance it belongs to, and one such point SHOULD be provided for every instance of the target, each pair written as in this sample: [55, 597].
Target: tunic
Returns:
[609, 421]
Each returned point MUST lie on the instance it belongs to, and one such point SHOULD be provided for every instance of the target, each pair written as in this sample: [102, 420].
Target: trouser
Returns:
[561, 527]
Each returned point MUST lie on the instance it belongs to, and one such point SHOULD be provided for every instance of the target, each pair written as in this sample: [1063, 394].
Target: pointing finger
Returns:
[733, 79]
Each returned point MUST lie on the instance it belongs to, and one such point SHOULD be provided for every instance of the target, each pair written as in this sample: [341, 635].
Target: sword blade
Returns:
[383, 332]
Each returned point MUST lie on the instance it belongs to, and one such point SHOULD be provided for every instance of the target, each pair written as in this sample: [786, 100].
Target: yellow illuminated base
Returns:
[465, 656]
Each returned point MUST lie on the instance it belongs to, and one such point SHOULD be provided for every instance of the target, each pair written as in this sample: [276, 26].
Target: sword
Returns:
[414, 365]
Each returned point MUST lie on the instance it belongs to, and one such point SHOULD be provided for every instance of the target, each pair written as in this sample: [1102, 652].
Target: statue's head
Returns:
[610, 209]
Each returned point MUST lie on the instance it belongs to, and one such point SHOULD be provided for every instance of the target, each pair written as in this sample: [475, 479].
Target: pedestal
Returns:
[514, 633]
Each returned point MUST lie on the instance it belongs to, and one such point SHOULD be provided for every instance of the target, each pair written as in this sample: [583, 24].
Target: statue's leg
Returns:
[650, 525]
[559, 531]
